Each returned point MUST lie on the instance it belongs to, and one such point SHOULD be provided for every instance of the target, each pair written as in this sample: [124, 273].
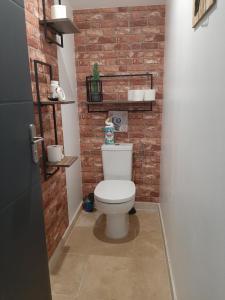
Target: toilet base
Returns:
[117, 226]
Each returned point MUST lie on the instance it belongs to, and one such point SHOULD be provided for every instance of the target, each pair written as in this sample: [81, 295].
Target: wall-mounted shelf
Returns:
[63, 26]
[49, 102]
[57, 27]
[49, 168]
[66, 162]
[119, 105]
[106, 105]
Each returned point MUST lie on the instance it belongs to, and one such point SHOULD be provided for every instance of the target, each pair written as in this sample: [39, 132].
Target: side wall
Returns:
[122, 40]
[54, 190]
[70, 118]
[193, 148]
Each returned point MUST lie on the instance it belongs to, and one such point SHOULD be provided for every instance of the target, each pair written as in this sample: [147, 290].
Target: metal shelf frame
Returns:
[132, 106]
[58, 27]
[47, 174]
[68, 160]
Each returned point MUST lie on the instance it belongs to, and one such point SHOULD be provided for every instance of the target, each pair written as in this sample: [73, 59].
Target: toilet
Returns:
[115, 195]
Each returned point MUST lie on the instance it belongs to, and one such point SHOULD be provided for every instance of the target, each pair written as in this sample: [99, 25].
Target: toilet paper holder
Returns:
[54, 29]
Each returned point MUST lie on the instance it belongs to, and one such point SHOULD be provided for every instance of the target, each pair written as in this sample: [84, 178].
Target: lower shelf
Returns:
[49, 102]
[66, 162]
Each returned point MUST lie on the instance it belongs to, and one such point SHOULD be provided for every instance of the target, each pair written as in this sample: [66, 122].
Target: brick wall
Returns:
[122, 40]
[53, 190]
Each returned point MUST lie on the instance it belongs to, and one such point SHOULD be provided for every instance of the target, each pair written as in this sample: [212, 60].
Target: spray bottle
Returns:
[109, 132]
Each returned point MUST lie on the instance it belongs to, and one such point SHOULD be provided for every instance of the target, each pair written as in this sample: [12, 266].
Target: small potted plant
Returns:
[96, 87]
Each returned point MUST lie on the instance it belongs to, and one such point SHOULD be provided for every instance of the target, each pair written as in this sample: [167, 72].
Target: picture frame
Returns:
[200, 9]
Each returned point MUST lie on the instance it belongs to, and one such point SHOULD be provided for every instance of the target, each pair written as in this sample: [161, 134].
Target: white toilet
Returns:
[115, 196]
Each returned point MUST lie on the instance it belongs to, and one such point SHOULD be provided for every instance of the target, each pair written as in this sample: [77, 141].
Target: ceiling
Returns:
[83, 4]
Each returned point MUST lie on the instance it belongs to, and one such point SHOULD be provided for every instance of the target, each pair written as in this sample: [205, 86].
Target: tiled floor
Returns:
[95, 268]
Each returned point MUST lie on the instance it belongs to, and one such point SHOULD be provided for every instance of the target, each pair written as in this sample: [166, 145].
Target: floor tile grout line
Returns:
[83, 276]
[84, 270]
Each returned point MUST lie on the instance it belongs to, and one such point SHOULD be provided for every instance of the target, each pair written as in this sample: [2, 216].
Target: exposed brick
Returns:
[54, 190]
[124, 39]
[150, 46]
[138, 22]
[106, 40]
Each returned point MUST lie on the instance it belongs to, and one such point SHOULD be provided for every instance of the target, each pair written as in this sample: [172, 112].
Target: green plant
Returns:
[95, 78]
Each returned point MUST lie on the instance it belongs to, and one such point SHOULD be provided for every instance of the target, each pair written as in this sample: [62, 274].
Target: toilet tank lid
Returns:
[117, 147]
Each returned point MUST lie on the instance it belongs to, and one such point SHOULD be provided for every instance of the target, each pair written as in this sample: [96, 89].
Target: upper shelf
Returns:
[118, 102]
[49, 102]
[63, 26]
[124, 104]
[105, 105]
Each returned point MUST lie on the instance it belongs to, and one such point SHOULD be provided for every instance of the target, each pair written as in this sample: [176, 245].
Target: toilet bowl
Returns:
[115, 198]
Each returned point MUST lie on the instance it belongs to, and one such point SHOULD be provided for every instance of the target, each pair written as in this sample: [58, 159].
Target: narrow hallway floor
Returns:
[94, 267]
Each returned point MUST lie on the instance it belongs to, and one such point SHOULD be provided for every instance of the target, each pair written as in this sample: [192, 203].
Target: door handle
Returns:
[34, 140]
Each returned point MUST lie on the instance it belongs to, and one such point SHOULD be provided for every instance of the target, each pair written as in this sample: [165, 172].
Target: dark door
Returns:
[23, 258]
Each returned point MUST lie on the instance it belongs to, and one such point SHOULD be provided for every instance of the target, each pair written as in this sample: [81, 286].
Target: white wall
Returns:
[70, 119]
[193, 152]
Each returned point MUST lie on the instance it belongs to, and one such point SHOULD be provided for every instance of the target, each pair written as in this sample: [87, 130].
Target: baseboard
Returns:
[172, 281]
[58, 251]
[146, 206]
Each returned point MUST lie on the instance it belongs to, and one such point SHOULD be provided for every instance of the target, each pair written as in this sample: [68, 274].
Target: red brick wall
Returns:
[129, 40]
[53, 190]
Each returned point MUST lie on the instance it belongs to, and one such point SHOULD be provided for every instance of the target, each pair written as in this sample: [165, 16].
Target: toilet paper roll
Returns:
[130, 95]
[55, 153]
[58, 11]
[149, 95]
[138, 95]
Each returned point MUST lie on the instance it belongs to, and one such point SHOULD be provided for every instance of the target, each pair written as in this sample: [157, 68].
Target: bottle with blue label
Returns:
[109, 132]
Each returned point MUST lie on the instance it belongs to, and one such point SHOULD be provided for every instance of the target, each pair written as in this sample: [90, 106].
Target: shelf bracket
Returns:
[47, 174]
[49, 39]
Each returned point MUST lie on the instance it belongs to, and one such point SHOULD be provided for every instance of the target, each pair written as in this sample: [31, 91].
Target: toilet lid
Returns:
[115, 191]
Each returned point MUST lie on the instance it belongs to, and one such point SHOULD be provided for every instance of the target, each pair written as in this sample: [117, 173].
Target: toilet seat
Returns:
[115, 191]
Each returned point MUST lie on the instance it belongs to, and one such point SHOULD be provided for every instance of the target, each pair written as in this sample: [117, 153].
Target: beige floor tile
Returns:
[149, 221]
[97, 268]
[120, 278]
[146, 220]
[145, 238]
[83, 241]
[67, 277]
[107, 278]
[150, 279]
[62, 297]
[149, 242]
[150, 245]
[88, 219]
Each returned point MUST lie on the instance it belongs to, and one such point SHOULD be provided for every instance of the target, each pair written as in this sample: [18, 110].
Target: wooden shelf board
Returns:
[49, 102]
[63, 26]
[66, 162]
[119, 102]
